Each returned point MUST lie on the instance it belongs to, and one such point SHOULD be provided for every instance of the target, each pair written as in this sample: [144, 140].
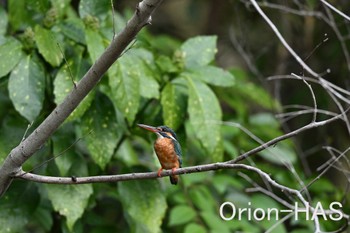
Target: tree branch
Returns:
[186, 170]
[13, 162]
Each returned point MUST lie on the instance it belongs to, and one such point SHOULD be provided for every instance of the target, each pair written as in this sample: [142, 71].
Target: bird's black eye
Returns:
[160, 129]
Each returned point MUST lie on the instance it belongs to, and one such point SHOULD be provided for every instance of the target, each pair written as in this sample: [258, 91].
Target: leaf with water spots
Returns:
[10, 55]
[47, 46]
[99, 126]
[94, 43]
[63, 84]
[27, 87]
[144, 205]
[149, 87]
[124, 81]
[199, 51]
[173, 105]
[205, 117]
[69, 200]
[212, 75]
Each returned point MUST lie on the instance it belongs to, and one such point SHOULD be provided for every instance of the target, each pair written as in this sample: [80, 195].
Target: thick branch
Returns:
[36, 140]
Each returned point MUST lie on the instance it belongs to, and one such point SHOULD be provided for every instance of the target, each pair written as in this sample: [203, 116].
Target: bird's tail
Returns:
[174, 179]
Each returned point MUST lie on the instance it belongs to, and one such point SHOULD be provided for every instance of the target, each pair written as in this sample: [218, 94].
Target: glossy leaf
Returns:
[205, 117]
[73, 28]
[94, 43]
[47, 46]
[63, 85]
[69, 200]
[144, 213]
[172, 106]
[181, 214]
[27, 88]
[212, 75]
[199, 51]
[100, 130]
[149, 87]
[10, 55]
[124, 81]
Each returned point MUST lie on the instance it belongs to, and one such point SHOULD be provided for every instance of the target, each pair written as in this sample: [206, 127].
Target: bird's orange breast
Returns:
[165, 151]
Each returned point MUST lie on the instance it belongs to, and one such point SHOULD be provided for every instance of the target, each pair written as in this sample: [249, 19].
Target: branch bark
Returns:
[13, 162]
[186, 170]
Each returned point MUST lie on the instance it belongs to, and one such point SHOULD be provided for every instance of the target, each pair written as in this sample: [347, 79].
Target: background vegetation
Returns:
[202, 69]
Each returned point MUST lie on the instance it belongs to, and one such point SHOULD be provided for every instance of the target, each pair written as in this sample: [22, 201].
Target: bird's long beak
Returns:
[150, 128]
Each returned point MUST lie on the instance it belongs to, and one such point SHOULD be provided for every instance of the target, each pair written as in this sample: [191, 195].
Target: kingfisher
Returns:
[167, 148]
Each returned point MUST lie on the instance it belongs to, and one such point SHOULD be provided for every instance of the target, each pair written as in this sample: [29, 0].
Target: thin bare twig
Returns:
[283, 41]
[335, 10]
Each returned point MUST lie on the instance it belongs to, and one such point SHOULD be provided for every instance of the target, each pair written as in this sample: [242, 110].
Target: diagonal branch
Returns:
[41, 134]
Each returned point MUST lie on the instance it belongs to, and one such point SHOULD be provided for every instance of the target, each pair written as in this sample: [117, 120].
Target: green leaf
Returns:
[279, 154]
[94, 43]
[266, 203]
[27, 88]
[181, 214]
[166, 64]
[101, 122]
[214, 222]
[173, 106]
[124, 81]
[47, 46]
[94, 8]
[203, 198]
[11, 133]
[63, 139]
[63, 84]
[23, 14]
[10, 55]
[144, 61]
[127, 154]
[252, 92]
[73, 28]
[212, 75]
[69, 200]
[199, 51]
[205, 117]
[17, 205]
[43, 215]
[19, 15]
[144, 214]
[61, 7]
[194, 228]
[3, 21]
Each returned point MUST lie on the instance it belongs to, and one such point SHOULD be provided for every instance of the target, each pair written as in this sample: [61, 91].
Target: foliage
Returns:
[48, 46]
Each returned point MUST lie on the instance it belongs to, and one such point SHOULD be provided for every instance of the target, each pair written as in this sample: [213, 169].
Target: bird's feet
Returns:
[160, 171]
[173, 170]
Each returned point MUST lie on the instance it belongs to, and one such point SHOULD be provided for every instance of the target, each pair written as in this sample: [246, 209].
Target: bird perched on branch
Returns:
[167, 148]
